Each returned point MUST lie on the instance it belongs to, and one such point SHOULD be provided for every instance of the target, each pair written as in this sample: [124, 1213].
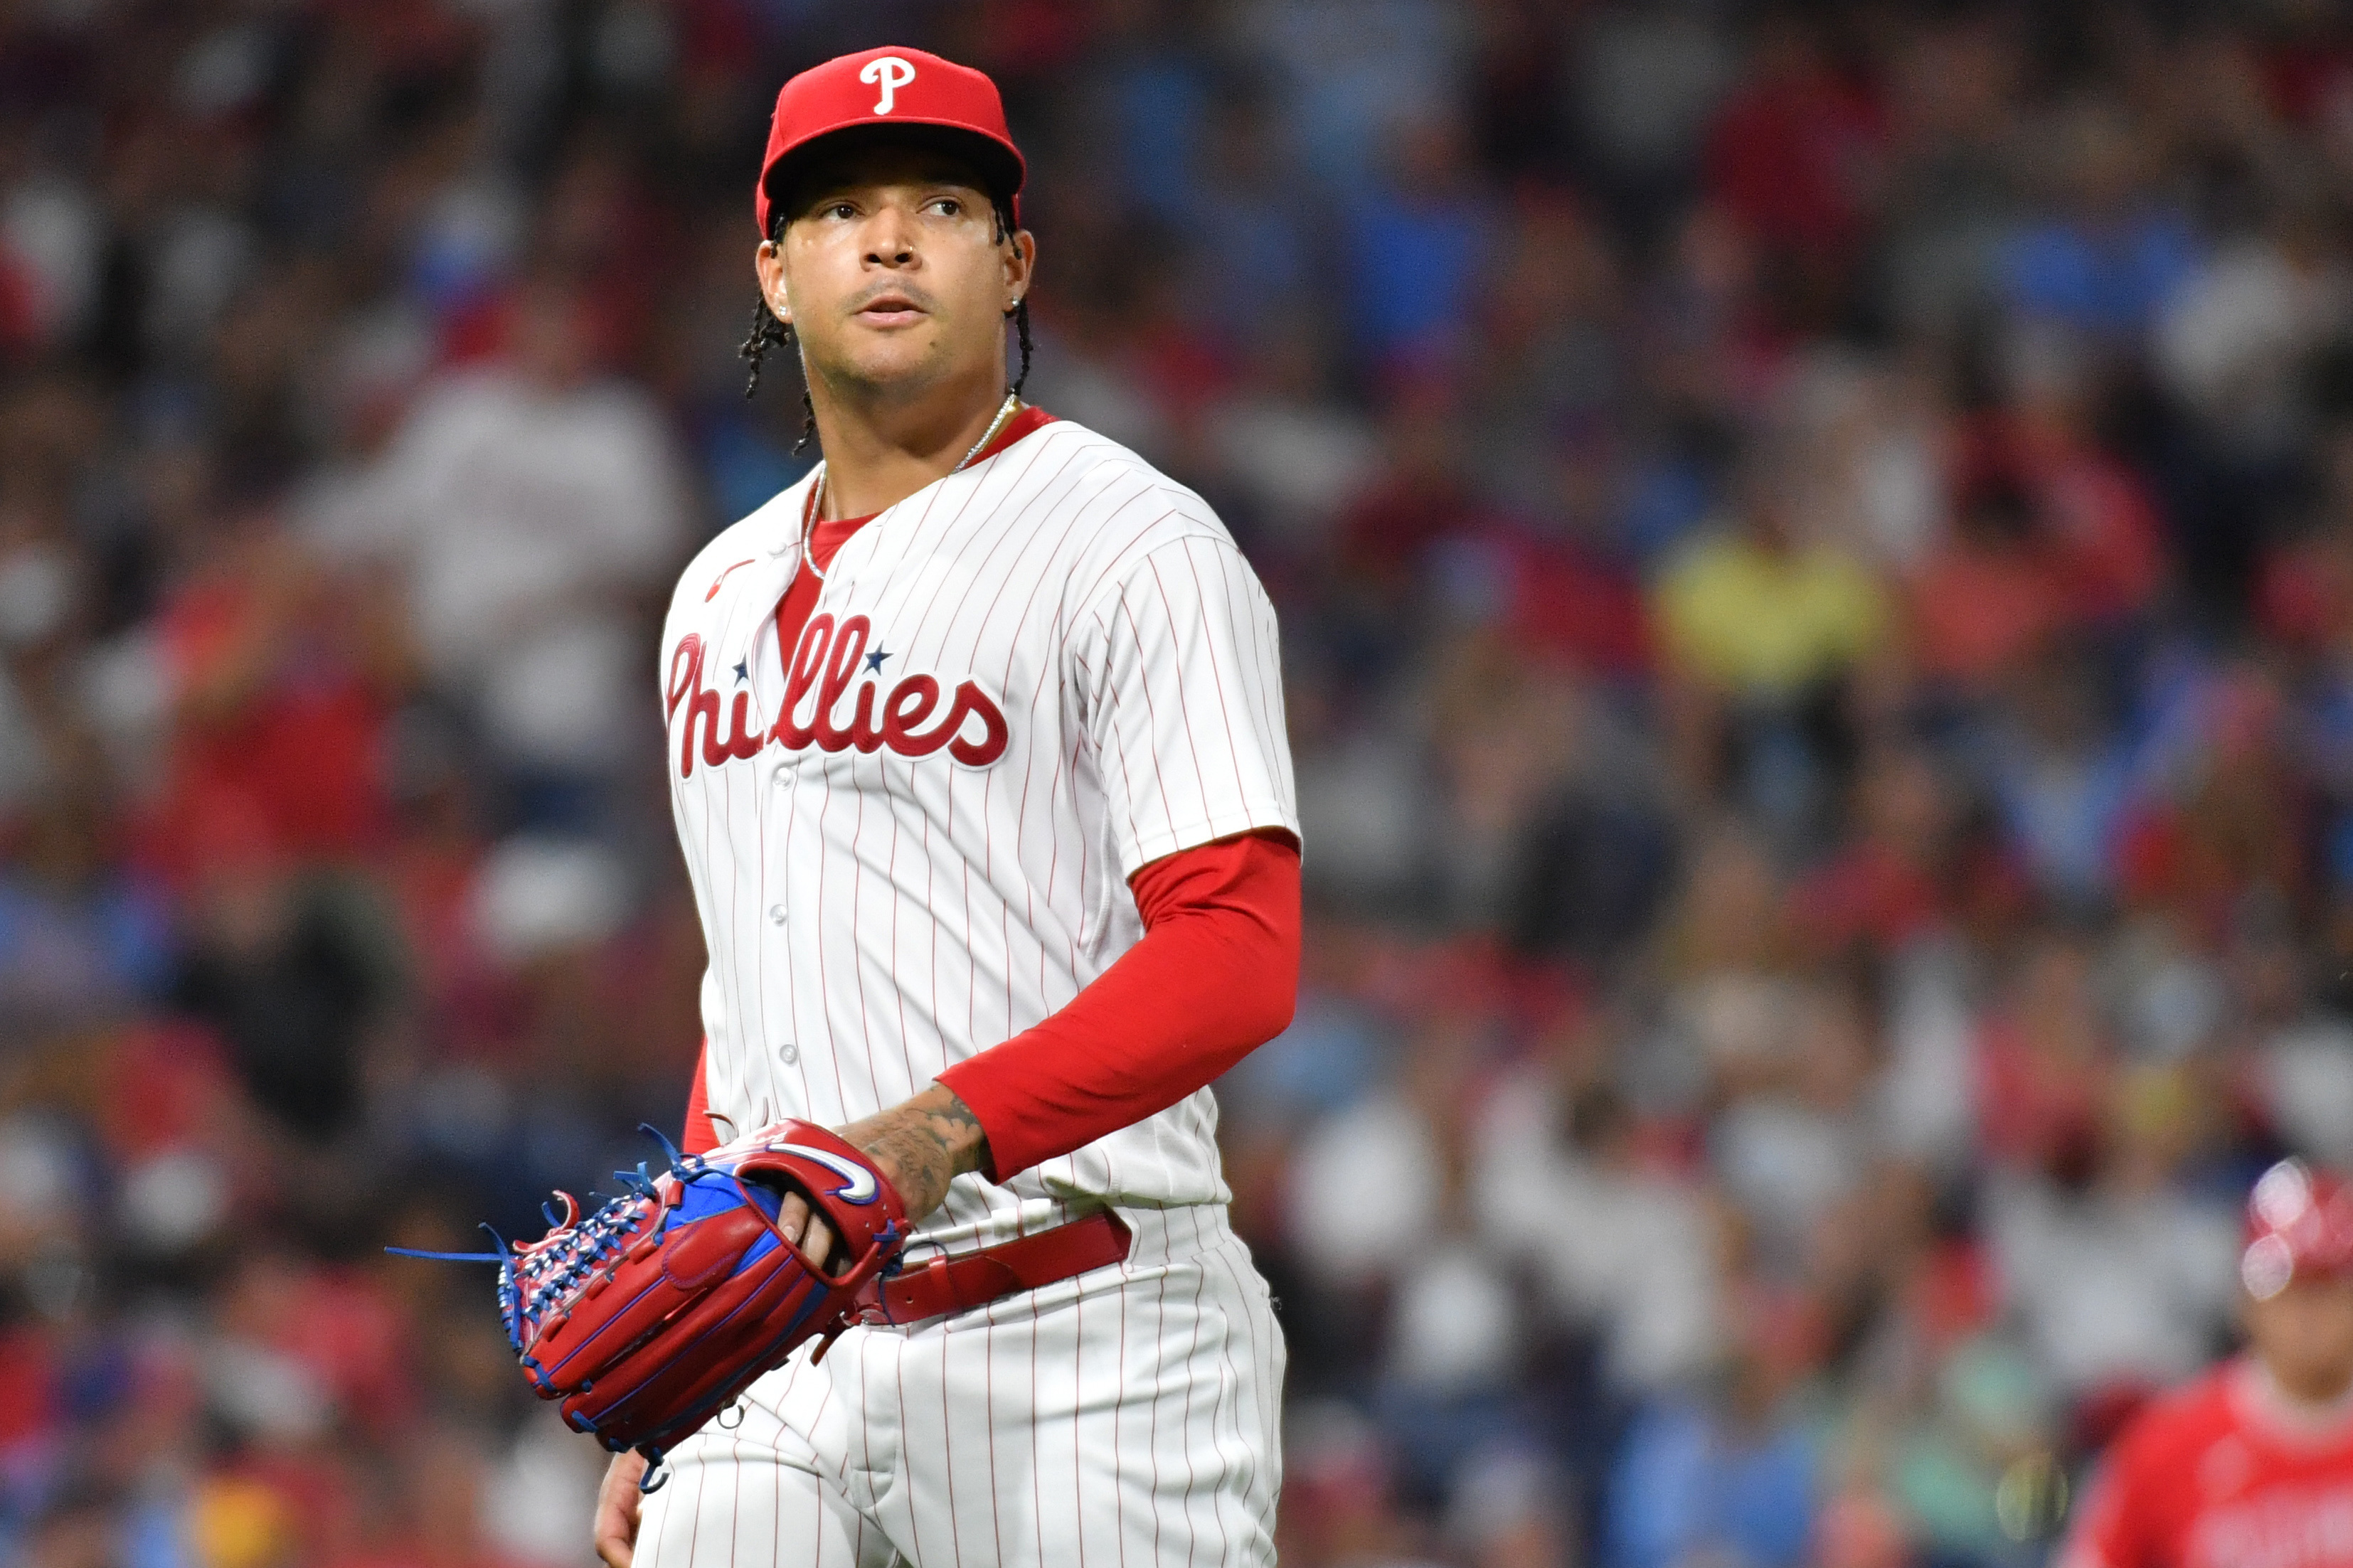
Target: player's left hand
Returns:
[921, 1144]
[618, 1502]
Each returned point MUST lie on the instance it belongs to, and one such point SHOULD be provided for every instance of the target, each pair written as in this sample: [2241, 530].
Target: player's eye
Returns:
[840, 210]
[946, 206]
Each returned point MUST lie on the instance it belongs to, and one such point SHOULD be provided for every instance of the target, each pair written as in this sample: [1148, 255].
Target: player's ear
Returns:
[769, 263]
[1020, 264]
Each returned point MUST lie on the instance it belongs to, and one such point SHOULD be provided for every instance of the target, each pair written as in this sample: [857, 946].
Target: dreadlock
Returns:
[1021, 330]
[768, 332]
[1020, 311]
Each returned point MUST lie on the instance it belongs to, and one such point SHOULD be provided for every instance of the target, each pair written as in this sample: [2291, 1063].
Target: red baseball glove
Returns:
[650, 1316]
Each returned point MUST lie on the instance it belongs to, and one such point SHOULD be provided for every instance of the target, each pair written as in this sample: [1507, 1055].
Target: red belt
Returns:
[971, 1279]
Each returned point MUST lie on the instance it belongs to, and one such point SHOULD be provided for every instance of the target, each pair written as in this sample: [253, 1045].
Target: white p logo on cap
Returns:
[892, 73]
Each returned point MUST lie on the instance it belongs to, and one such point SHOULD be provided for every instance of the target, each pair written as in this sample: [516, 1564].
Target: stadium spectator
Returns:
[1815, 555]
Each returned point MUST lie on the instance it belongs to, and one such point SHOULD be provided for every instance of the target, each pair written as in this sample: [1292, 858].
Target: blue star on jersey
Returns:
[874, 660]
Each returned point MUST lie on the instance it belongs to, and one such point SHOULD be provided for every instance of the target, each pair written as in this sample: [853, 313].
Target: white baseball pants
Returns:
[1126, 1417]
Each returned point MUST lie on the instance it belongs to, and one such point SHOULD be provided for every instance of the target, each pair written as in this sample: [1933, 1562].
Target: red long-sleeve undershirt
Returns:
[1213, 977]
[702, 1135]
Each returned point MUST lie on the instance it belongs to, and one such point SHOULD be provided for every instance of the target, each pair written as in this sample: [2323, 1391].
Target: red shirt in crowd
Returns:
[2222, 1474]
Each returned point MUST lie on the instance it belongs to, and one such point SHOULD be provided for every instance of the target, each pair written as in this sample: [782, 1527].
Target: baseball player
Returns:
[977, 751]
[2250, 1466]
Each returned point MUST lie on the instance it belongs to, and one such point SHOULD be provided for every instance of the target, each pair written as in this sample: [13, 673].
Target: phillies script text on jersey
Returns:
[824, 669]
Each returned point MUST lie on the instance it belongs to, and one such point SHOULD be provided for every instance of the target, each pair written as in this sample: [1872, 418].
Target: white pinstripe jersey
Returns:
[1019, 685]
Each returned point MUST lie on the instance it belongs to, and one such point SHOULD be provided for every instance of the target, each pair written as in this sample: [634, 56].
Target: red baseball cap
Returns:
[2299, 1224]
[892, 87]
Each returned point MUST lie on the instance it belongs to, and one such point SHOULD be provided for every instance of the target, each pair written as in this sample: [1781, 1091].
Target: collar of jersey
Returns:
[828, 535]
[1023, 425]
[2286, 1422]
[734, 634]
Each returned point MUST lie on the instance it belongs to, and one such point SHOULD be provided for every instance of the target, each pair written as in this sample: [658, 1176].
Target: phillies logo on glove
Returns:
[825, 668]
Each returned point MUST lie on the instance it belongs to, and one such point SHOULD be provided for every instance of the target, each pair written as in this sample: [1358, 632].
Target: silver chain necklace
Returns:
[817, 491]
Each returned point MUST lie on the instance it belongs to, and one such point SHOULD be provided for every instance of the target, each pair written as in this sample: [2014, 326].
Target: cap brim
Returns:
[1000, 166]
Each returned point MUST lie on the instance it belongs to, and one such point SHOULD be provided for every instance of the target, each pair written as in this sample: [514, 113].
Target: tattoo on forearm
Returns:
[958, 1130]
[925, 1143]
[919, 1164]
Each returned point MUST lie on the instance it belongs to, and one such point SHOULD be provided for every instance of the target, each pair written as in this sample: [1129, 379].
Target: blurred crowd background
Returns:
[1815, 548]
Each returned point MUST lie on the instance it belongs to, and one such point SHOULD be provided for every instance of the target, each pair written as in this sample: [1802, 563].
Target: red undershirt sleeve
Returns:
[701, 1135]
[1216, 976]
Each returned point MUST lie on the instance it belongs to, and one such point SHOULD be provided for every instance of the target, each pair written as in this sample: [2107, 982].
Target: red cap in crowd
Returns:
[890, 87]
[2299, 1223]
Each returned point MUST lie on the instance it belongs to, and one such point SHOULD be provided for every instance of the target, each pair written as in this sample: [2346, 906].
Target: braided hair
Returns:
[1020, 311]
[769, 333]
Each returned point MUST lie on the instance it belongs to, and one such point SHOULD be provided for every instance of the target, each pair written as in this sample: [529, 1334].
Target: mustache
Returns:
[920, 299]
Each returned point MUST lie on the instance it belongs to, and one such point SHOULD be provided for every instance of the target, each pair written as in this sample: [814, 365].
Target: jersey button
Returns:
[790, 1052]
[776, 914]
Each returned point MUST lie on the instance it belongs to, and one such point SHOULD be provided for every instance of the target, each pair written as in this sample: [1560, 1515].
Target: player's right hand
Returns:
[618, 1501]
